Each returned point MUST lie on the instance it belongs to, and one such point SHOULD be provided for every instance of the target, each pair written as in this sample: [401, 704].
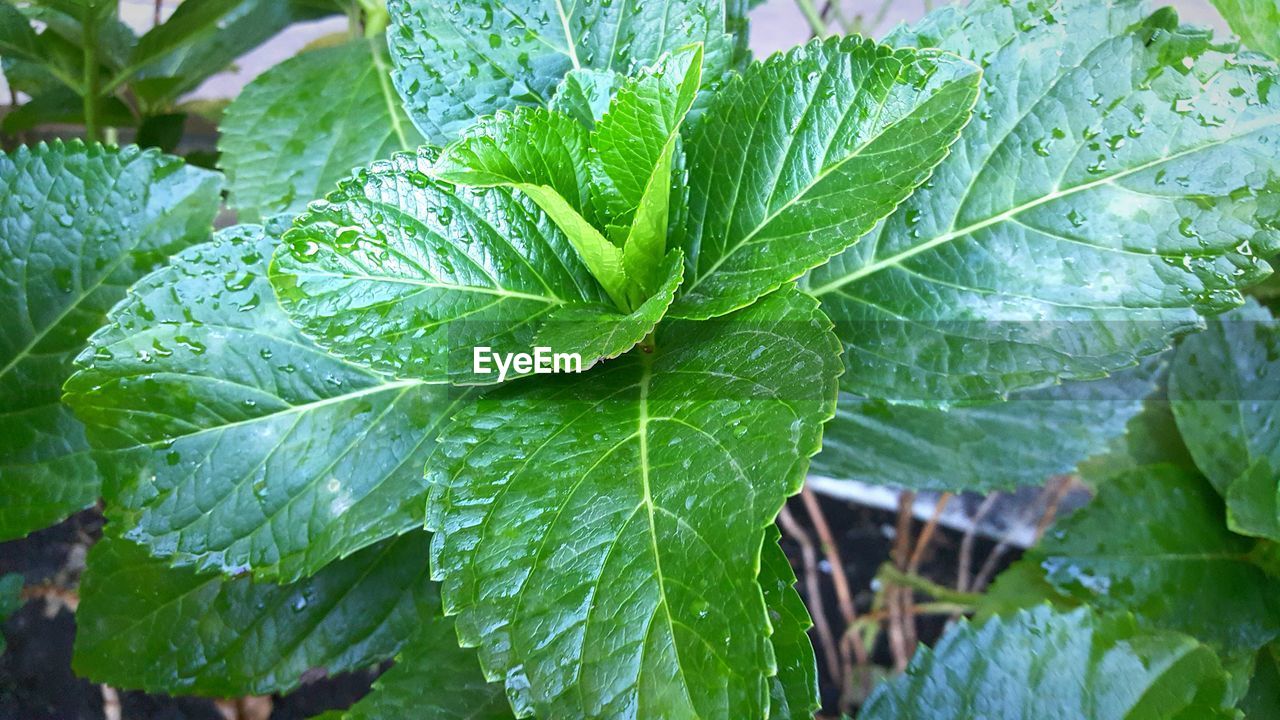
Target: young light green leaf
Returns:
[78, 224]
[793, 692]
[632, 148]
[1257, 22]
[1022, 441]
[405, 274]
[803, 154]
[144, 625]
[433, 679]
[1225, 393]
[600, 332]
[1042, 664]
[542, 154]
[239, 445]
[1106, 193]
[456, 62]
[1151, 534]
[599, 536]
[585, 95]
[302, 126]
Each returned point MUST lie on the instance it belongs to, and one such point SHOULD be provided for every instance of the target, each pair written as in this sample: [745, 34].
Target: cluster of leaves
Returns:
[962, 239]
[80, 64]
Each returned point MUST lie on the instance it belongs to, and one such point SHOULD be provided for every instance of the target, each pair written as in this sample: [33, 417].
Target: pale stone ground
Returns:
[776, 25]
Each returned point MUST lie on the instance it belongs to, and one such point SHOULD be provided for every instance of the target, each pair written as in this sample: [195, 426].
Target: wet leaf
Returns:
[800, 156]
[1024, 440]
[598, 536]
[1105, 195]
[1225, 394]
[1151, 534]
[1043, 664]
[144, 625]
[78, 224]
[458, 61]
[236, 444]
[304, 124]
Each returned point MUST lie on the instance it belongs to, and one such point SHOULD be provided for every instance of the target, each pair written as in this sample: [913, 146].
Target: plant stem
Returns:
[376, 17]
[890, 574]
[90, 81]
[812, 15]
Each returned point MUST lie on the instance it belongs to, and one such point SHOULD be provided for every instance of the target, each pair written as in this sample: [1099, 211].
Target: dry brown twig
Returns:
[966, 543]
[898, 600]
[1050, 498]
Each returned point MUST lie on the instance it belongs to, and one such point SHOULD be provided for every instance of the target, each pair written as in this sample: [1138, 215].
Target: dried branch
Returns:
[966, 544]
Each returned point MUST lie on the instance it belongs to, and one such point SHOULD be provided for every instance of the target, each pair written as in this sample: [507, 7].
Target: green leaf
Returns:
[793, 692]
[433, 679]
[10, 599]
[239, 445]
[188, 21]
[799, 157]
[1022, 441]
[542, 154]
[405, 274]
[1103, 197]
[599, 536]
[78, 224]
[1253, 501]
[17, 38]
[1149, 538]
[143, 625]
[632, 147]
[302, 126]
[1257, 22]
[63, 105]
[600, 332]
[244, 28]
[1042, 664]
[585, 95]
[1225, 393]
[456, 62]
[1264, 687]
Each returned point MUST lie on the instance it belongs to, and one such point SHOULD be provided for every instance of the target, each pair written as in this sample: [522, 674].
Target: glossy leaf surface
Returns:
[405, 274]
[1042, 664]
[455, 62]
[1149, 536]
[433, 678]
[239, 445]
[633, 148]
[78, 224]
[304, 124]
[803, 154]
[585, 95]
[1110, 189]
[598, 536]
[144, 625]
[542, 154]
[1225, 394]
[793, 692]
[1033, 435]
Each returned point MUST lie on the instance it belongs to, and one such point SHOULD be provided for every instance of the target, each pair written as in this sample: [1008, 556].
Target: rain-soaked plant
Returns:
[533, 383]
